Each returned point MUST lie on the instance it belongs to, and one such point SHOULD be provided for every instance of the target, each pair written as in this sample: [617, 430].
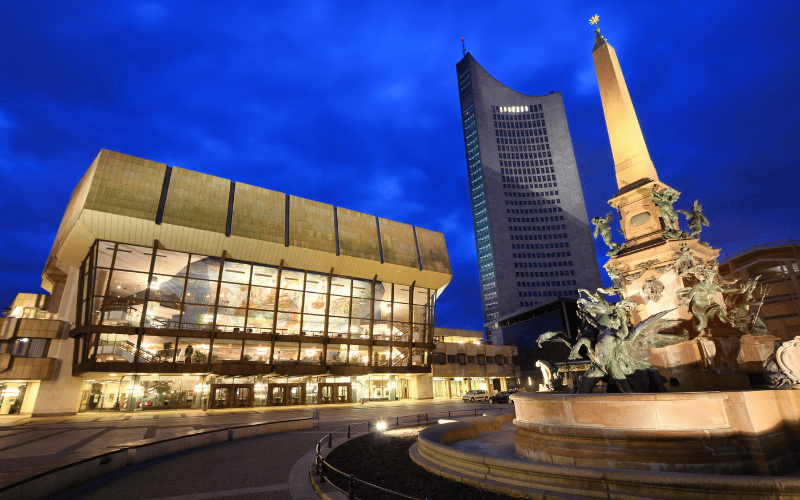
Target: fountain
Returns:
[680, 417]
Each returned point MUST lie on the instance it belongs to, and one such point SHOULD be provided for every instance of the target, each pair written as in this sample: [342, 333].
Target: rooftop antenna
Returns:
[463, 48]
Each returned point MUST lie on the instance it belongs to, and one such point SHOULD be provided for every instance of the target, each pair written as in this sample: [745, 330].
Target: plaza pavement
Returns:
[251, 468]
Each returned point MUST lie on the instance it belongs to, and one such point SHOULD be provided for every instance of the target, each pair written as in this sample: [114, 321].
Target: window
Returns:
[438, 358]
[25, 347]
[481, 359]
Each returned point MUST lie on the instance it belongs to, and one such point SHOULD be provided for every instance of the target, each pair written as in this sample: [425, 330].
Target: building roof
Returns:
[455, 332]
[132, 200]
[554, 304]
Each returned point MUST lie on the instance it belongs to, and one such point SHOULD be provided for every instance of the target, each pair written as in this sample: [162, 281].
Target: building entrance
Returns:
[286, 394]
[231, 396]
[335, 393]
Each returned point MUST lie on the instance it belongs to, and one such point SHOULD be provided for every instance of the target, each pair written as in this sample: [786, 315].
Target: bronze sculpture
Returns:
[601, 228]
[616, 349]
[696, 219]
[701, 302]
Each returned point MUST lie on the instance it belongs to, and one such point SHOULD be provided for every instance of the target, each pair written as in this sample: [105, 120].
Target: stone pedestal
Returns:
[756, 349]
[651, 279]
[720, 362]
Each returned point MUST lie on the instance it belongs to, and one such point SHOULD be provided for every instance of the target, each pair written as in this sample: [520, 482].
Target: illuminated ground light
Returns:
[380, 426]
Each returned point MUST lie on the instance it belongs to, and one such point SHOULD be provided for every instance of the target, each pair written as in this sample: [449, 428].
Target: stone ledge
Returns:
[526, 479]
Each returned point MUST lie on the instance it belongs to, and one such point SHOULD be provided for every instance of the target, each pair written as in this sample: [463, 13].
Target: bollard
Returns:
[330, 440]
[448, 413]
[397, 423]
[368, 422]
[426, 417]
[348, 432]
[417, 417]
[476, 413]
[351, 495]
[315, 417]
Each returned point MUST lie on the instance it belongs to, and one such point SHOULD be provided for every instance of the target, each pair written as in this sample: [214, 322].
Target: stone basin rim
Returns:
[622, 398]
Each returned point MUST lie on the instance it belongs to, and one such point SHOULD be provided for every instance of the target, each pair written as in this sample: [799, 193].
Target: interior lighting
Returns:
[380, 426]
[112, 374]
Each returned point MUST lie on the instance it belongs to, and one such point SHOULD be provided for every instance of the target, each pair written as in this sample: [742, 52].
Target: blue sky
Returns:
[355, 104]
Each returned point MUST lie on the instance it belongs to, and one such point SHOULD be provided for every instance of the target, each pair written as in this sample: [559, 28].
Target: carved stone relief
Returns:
[652, 289]
[788, 358]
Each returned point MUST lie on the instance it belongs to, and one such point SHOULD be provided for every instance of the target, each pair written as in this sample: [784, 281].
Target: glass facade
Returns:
[480, 214]
[187, 391]
[180, 303]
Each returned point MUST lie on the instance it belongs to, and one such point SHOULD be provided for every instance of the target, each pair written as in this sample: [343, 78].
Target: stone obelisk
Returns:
[659, 265]
[649, 265]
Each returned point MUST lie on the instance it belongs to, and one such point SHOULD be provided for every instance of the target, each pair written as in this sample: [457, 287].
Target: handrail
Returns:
[322, 467]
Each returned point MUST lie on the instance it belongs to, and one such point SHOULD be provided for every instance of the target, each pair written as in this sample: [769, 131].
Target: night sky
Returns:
[355, 104]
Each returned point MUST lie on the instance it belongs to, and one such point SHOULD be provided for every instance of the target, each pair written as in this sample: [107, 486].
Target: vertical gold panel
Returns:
[196, 200]
[126, 185]
[358, 235]
[259, 213]
[311, 225]
[397, 240]
[433, 251]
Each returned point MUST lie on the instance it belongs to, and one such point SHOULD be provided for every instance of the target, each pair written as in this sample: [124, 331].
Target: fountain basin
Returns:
[736, 432]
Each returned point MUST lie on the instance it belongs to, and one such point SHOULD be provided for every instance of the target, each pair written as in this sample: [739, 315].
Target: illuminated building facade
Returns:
[175, 289]
[531, 229]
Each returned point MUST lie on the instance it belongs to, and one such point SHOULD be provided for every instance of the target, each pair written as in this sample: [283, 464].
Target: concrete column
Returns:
[62, 394]
[503, 384]
[31, 393]
[448, 381]
[421, 387]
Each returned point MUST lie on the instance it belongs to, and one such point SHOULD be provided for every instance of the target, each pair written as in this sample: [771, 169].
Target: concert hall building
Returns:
[171, 288]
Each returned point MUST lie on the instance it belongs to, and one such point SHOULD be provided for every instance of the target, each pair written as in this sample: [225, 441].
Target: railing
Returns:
[754, 246]
[131, 348]
[325, 470]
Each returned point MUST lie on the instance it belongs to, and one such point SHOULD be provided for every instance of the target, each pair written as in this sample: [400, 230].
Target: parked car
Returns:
[476, 395]
[502, 397]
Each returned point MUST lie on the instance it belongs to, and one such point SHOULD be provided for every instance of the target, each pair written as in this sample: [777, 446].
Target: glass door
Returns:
[342, 393]
[277, 397]
[326, 392]
[242, 397]
[220, 397]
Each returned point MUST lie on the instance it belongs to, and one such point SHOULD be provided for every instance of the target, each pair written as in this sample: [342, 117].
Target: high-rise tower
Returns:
[531, 228]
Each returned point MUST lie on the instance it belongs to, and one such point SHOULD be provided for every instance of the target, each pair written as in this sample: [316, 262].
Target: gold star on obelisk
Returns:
[593, 22]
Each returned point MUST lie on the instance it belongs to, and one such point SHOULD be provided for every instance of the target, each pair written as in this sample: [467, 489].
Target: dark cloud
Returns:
[358, 107]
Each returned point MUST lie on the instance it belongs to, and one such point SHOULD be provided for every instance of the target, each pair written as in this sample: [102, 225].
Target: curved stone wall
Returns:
[525, 479]
[710, 433]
